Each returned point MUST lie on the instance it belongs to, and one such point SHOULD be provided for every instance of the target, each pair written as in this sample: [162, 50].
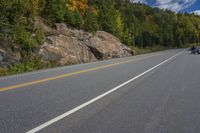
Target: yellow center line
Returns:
[68, 75]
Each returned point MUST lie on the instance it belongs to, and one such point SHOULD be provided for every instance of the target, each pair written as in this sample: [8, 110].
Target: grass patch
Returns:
[156, 48]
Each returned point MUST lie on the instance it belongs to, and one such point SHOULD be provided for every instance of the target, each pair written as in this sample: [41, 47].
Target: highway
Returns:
[151, 93]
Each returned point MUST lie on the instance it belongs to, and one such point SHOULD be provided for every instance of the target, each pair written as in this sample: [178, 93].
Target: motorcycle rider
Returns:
[193, 49]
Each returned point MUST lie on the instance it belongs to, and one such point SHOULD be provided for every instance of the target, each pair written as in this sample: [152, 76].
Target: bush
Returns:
[27, 66]
[54, 11]
[74, 18]
[23, 37]
[39, 36]
[90, 23]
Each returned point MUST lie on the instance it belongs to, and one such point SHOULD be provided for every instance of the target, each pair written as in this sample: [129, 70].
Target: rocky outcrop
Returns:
[9, 53]
[8, 59]
[72, 46]
[63, 45]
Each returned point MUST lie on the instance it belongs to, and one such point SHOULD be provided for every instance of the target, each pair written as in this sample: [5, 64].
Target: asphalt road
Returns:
[152, 93]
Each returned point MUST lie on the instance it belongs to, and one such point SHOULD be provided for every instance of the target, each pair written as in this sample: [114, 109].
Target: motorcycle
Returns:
[195, 51]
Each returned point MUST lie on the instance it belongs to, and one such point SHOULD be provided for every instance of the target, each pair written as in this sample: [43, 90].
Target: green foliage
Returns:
[26, 66]
[91, 22]
[144, 28]
[110, 18]
[12, 11]
[148, 26]
[39, 36]
[127, 38]
[54, 10]
[21, 36]
[34, 7]
[17, 18]
[135, 24]
[74, 18]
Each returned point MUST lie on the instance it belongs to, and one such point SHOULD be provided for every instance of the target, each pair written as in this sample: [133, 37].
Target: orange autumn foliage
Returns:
[77, 5]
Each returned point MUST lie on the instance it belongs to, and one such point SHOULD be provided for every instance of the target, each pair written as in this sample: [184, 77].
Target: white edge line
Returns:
[48, 123]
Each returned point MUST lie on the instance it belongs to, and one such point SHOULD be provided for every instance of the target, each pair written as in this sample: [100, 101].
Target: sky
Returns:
[174, 5]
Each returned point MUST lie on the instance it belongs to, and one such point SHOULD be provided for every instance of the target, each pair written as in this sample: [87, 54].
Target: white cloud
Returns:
[174, 5]
[197, 12]
[138, 1]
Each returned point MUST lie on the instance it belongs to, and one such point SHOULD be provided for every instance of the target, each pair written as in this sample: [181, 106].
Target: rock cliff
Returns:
[63, 45]
[72, 46]
[9, 53]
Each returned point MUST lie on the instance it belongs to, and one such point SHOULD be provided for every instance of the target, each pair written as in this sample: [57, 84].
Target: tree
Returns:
[77, 5]
[91, 23]
[55, 10]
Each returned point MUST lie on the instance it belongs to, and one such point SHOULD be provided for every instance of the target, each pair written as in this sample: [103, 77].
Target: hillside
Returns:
[135, 25]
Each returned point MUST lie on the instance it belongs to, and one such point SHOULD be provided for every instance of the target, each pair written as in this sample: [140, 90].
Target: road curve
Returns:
[150, 93]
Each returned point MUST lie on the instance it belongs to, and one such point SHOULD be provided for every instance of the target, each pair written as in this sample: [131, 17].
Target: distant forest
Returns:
[134, 24]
